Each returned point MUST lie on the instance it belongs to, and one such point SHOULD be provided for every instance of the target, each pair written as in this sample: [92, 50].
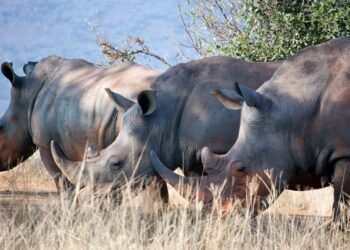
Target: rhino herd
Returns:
[225, 122]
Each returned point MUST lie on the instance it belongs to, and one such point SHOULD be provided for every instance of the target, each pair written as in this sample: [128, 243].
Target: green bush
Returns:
[265, 30]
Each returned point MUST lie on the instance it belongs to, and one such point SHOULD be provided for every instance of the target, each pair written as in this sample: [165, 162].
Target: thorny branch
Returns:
[115, 54]
[134, 46]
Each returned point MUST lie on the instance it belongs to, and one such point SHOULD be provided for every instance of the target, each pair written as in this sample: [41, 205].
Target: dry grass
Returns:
[37, 221]
[30, 175]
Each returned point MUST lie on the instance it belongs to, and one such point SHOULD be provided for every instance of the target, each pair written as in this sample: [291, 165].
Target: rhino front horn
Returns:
[69, 168]
[189, 187]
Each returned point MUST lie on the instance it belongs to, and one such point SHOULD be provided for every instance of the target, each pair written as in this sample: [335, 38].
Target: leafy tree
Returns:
[262, 30]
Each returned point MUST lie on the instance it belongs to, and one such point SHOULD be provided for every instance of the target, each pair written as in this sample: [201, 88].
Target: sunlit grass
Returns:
[143, 222]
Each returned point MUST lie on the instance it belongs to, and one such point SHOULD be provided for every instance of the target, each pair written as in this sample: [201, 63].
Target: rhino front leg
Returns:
[61, 182]
[164, 194]
[158, 189]
[341, 182]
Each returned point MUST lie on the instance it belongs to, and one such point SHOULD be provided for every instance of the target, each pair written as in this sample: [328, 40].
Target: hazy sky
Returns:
[33, 29]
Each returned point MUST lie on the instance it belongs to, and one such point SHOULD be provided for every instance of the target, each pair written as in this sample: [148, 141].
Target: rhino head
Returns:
[127, 157]
[16, 142]
[255, 156]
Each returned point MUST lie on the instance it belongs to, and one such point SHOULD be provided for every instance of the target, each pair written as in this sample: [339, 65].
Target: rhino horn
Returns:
[91, 152]
[29, 67]
[121, 103]
[209, 160]
[189, 187]
[9, 73]
[69, 168]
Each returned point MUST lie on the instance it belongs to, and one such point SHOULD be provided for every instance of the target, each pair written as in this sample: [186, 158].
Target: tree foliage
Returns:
[262, 30]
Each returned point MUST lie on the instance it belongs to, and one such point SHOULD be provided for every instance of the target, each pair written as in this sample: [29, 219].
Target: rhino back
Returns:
[73, 108]
[192, 117]
[182, 78]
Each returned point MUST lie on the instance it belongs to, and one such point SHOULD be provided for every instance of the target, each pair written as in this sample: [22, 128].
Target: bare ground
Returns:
[33, 216]
[26, 185]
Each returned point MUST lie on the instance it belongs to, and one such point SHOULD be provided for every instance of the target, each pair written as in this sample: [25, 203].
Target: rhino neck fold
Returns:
[169, 146]
[31, 108]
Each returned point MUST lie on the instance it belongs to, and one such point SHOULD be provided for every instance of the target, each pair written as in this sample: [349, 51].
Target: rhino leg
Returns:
[341, 182]
[157, 189]
[61, 182]
[164, 194]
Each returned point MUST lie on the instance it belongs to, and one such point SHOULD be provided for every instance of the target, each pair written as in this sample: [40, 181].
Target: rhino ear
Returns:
[8, 72]
[251, 97]
[121, 103]
[233, 99]
[229, 98]
[29, 67]
[147, 101]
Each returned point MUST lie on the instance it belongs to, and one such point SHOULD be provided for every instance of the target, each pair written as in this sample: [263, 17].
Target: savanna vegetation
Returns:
[254, 30]
[33, 216]
[263, 30]
[43, 220]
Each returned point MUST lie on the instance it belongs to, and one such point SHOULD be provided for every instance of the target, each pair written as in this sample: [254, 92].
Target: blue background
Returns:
[33, 29]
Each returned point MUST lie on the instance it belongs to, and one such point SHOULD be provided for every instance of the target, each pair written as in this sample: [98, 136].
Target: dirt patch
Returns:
[29, 184]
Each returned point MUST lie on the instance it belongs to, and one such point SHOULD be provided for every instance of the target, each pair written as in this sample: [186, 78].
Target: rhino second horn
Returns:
[69, 168]
[91, 152]
[209, 161]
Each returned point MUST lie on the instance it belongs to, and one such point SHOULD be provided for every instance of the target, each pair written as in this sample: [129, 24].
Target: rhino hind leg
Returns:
[61, 182]
[341, 182]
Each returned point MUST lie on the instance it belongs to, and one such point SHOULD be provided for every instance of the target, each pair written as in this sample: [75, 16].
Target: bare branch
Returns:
[133, 47]
[194, 40]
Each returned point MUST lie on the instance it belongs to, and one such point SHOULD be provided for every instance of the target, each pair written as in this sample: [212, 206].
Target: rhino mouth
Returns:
[89, 174]
[8, 157]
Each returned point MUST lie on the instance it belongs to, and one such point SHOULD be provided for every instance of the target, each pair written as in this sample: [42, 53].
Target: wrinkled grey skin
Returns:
[64, 100]
[176, 120]
[295, 123]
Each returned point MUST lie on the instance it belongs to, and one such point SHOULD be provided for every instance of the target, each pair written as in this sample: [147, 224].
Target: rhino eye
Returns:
[116, 165]
[238, 169]
[242, 170]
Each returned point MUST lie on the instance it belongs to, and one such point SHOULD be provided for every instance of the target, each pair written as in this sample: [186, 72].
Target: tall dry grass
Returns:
[141, 223]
